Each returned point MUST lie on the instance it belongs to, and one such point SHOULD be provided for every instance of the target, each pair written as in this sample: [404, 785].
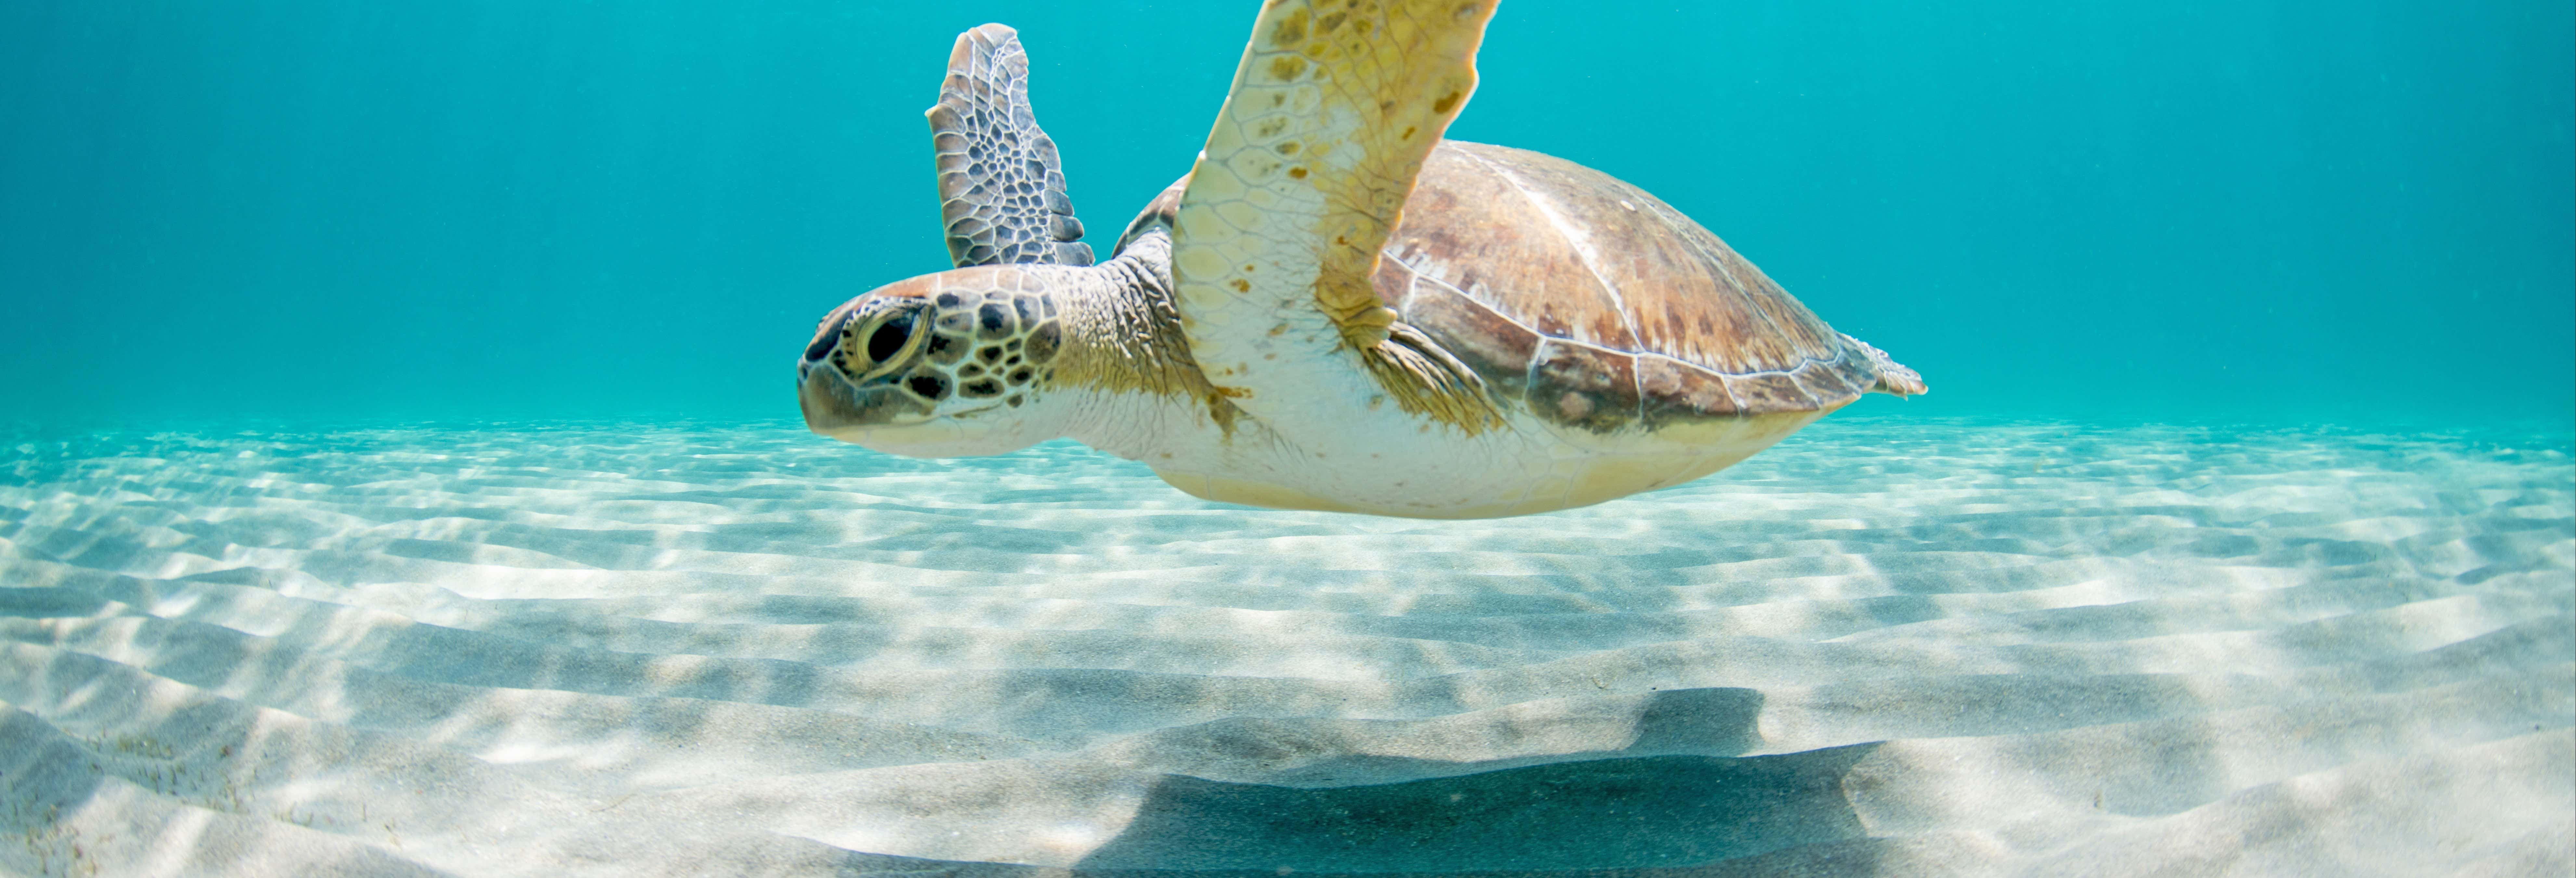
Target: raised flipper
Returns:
[1334, 108]
[1001, 187]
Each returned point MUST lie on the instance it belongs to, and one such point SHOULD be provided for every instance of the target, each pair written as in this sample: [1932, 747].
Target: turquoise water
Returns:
[399, 471]
[2243, 211]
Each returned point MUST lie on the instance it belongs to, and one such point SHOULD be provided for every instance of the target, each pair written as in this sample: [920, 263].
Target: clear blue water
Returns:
[2262, 211]
[399, 471]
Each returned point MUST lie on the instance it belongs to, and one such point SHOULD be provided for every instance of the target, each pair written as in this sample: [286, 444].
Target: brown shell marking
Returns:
[1598, 305]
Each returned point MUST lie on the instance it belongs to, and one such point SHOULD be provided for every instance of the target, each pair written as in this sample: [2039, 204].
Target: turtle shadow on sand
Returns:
[1671, 797]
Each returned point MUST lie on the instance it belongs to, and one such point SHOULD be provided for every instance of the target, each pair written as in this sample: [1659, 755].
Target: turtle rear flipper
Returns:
[1893, 379]
[1001, 187]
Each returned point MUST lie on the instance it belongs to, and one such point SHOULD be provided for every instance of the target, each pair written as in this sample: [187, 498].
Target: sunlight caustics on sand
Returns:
[1883, 647]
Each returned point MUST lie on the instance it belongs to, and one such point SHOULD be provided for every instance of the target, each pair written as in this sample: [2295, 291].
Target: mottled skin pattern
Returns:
[1339, 310]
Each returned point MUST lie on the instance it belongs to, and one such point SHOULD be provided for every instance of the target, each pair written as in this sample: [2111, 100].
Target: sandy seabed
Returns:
[1886, 647]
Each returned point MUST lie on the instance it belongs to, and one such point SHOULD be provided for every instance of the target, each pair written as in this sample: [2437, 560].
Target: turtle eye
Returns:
[889, 337]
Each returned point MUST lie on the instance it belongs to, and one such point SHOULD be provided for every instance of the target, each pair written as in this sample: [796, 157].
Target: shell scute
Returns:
[1770, 392]
[1582, 386]
[1497, 349]
[1821, 381]
[1672, 390]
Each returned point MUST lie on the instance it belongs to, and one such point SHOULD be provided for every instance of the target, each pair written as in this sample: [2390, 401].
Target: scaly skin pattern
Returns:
[1002, 193]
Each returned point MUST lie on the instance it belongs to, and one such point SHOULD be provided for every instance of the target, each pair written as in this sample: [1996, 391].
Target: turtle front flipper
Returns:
[1001, 186]
[1334, 108]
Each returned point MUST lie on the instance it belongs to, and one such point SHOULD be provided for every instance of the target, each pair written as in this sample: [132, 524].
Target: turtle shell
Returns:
[1598, 305]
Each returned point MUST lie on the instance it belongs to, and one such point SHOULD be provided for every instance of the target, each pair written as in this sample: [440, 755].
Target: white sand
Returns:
[1887, 647]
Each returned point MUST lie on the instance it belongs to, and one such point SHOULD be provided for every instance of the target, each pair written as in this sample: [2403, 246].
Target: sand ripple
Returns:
[1887, 647]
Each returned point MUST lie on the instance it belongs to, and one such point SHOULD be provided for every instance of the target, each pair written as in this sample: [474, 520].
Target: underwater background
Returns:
[2257, 211]
[400, 473]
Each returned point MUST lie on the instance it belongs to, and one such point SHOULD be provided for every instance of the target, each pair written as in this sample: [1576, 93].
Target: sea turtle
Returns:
[1337, 308]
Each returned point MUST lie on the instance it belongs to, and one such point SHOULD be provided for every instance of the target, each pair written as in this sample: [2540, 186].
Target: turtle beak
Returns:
[837, 408]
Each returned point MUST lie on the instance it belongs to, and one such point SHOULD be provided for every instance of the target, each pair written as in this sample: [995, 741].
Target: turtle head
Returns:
[949, 364]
